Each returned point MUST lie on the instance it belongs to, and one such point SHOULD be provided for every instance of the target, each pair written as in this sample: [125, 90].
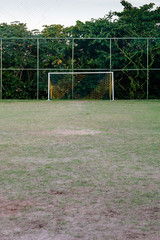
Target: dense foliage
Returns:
[27, 54]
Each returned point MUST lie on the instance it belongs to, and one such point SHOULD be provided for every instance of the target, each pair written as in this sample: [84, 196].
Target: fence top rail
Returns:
[80, 38]
[70, 70]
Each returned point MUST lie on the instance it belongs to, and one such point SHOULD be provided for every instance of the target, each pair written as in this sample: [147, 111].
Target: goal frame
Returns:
[72, 73]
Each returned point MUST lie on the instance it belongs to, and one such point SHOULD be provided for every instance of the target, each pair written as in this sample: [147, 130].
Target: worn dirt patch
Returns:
[36, 224]
[56, 192]
[9, 207]
[69, 132]
[81, 220]
[152, 213]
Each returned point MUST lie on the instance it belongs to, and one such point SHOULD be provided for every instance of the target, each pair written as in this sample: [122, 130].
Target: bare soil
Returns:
[26, 219]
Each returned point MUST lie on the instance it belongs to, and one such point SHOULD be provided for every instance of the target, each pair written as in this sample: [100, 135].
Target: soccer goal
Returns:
[80, 85]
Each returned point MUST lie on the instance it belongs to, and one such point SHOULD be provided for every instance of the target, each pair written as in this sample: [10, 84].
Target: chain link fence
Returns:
[25, 63]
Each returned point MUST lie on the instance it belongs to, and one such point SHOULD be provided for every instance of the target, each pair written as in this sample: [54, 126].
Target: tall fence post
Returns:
[72, 68]
[147, 66]
[110, 67]
[1, 70]
[37, 68]
[110, 55]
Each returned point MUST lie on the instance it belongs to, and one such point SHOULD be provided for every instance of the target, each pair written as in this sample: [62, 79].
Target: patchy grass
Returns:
[79, 170]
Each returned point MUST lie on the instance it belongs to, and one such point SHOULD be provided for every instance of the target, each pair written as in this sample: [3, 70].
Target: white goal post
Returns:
[96, 84]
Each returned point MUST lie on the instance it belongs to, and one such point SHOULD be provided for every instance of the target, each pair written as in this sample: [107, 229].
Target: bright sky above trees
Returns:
[36, 13]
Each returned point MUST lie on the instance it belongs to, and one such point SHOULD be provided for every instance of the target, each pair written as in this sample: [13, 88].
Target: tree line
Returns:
[134, 58]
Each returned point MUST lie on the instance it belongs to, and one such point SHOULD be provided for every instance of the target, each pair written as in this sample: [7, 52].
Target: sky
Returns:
[36, 13]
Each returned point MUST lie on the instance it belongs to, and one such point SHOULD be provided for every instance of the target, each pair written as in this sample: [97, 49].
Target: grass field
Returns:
[80, 170]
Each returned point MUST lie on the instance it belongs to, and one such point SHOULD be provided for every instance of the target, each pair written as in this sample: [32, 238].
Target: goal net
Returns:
[80, 85]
